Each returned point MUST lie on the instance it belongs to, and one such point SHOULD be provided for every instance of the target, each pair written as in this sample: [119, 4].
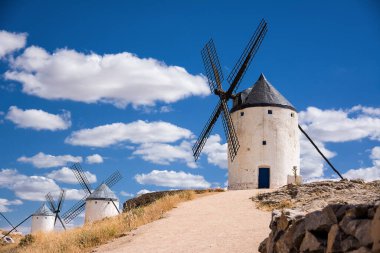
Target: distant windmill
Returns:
[42, 220]
[56, 208]
[100, 203]
[262, 124]
[5, 218]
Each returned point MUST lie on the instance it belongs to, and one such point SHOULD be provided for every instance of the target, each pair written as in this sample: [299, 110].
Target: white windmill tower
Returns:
[100, 203]
[43, 220]
[266, 125]
[262, 124]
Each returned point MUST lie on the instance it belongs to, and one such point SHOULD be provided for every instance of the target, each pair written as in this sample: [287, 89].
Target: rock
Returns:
[310, 243]
[360, 229]
[350, 243]
[360, 250]
[8, 239]
[263, 246]
[375, 231]
[320, 220]
[334, 239]
[358, 212]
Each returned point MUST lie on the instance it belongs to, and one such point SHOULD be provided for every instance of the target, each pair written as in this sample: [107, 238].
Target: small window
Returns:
[45, 218]
[292, 115]
[108, 202]
[269, 111]
[96, 202]
[37, 218]
[242, 114]
[264, 142]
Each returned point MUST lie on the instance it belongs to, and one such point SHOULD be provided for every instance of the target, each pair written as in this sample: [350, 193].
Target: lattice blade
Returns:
[229, 130]
[198, 146]
[17, 226]
[50, 200]
[245, 59]
[61, 199]
[5, 218]
[113, 179]
[75, 210]
[212, 66]
[81, 177]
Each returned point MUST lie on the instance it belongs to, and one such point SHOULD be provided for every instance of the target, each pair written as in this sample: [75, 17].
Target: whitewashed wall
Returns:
[42, 223]
[280, 154]
[100, 209]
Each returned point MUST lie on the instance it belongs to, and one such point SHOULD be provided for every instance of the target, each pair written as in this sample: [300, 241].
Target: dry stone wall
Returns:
[335, 228]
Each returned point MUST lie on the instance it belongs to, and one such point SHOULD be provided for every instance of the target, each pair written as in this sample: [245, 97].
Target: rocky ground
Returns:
[317, 195]
[327, 216]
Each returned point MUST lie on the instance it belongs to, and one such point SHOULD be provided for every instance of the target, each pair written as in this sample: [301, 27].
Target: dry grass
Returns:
[87, 237]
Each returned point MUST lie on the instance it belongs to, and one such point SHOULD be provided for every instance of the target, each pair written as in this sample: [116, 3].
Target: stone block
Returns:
[320, 220]
[310, 243]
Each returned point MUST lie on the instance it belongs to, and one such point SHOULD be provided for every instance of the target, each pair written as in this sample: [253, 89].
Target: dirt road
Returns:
[223, 222]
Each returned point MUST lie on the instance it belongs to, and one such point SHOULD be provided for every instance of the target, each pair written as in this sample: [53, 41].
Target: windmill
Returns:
[102, 194]
[56, 208]
[262, 124]
[42, 220]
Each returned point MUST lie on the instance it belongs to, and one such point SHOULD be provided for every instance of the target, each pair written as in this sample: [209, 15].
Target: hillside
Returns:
[316, 195]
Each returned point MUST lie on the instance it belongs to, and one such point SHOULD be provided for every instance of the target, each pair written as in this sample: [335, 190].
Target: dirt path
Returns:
[223, 222]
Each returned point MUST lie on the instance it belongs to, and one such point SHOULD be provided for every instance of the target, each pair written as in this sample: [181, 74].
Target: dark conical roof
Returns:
[103, 192]
[43, 211]
[262, 93]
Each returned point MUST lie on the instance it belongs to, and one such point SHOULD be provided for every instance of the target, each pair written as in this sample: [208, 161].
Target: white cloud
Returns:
[366, 110]
[74, 194]
[95, 158]
[5, 203]
[10, 42]
[216, 152]
[42, 160]
[33, 188]
[370, 173]
[119, 79]
[143, 191]
[135, 132]
[172, 179]
[126, 194]
[65, 175]
[339, 125]
[312, 164]
[27, 187]
[162, 153]
[38, 119]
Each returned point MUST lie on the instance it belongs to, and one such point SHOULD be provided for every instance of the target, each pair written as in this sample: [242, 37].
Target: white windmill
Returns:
[100, 203]
[262, 125]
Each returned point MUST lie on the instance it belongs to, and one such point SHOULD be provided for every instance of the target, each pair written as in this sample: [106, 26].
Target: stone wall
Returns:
[335, 228]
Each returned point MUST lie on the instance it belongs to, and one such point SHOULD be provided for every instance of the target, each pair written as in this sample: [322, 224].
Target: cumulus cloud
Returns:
[216, 152]
[172, 179]
[5, 204]
[119, 79]
[39, 119]
[126, 194]
[27, 187]
[10, 42]
[369, 173]
[143, 191]
[42, 160]
[65, 175]
[332, 126]
[95, 158]
[33, 188]
[134, 132]
[162, 153]
[340, 125]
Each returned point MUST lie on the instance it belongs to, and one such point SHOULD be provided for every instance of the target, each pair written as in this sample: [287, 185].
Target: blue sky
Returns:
[123, 81]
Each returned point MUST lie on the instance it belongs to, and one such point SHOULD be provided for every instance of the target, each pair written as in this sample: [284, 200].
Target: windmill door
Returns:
[264, 177]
